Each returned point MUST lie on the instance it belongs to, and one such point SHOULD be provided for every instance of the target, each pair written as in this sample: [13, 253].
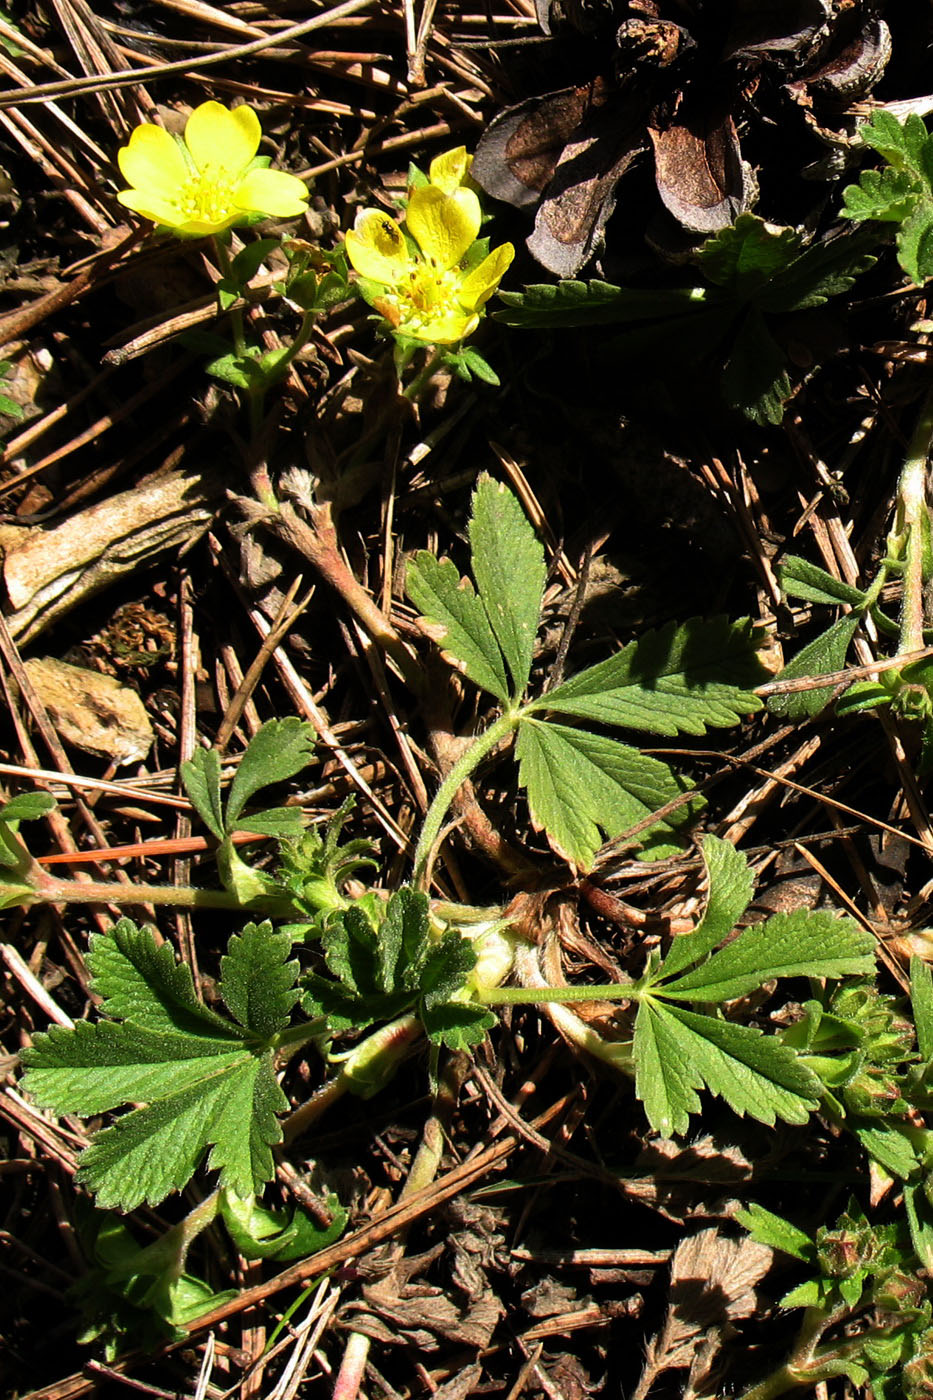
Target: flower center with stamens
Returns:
[428, 293]
[208, 196]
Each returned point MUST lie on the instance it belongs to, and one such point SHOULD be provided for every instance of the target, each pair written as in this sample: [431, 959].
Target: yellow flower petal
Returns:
[152, 206]
[272, 192]
[221, 139]
[478, 286]
[153, 161]
[443, 225]
[444, 330]
[376, 248]
[449, 170]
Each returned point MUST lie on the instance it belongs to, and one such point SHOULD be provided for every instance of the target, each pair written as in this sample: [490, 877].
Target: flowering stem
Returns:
[300, 341]
[421, 381]
[225, 265]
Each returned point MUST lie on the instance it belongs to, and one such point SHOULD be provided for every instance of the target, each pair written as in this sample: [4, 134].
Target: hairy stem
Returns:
[421, 380]
[53, 891]
[804, 1366]
[531, 996]
[913, 520]
[447, 791]
[318, 543]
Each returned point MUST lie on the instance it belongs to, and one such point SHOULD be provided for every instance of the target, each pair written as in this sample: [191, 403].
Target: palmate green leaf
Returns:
[450, 604]
[205, 1082]
[904, 145]
[398, 967]
[803, 943]
[902, 194]
[776, 270]
[509, 568]
[676, 680]
[801, 579]
[731, 885]
[583, 788]
[257, 980]
[677, 1052]
[563, 305]
[279, 750]
[824, 655]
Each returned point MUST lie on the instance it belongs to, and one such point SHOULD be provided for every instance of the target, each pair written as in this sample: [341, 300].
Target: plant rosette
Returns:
[211, 180]
[431, 278]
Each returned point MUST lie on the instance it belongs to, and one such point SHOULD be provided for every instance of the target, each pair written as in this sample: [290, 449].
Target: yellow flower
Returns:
[210, 182]
[425, 293]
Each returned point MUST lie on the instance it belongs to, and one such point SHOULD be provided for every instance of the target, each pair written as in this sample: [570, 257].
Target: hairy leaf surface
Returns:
[731, 885]
[508, 565]
[450, 604]
[203, 1082]
[676, 680]
[804, 943]
[583, 788]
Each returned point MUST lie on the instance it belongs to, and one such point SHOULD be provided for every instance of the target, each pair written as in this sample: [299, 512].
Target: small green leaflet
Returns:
[801, 579]
[27, 807]
[731, 885]
[400, 966]
[492, 629]
[774, 270]
[803, 943]
[509, 568]
[259, 1233]
[585, 788]
[888, 1142]
[465, 634]
[678, 1052]
[279, 750]
[568, 304]
[921, 1000]
[825, 655]
[776, 1233]
[677, 680]
[204, 1081]
[755, 381]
